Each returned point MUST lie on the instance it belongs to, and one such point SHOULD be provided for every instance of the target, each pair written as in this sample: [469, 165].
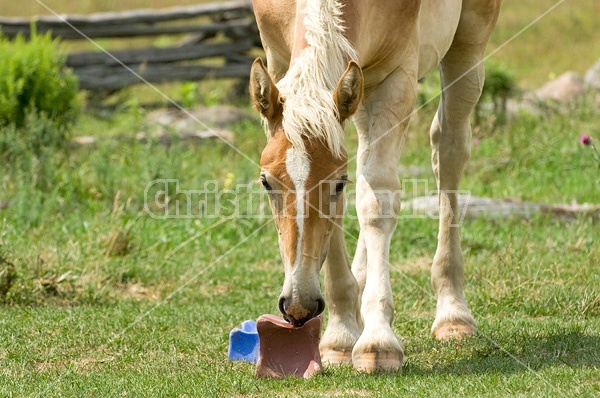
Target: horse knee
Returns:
[457, 152]
[378, 206]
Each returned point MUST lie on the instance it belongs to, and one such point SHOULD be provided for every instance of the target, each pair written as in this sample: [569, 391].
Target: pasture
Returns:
[107, 301]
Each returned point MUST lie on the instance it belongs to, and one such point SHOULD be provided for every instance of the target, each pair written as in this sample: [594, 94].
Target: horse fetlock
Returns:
[338, 341]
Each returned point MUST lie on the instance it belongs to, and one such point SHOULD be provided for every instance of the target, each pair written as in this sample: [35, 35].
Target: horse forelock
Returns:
[307, 89]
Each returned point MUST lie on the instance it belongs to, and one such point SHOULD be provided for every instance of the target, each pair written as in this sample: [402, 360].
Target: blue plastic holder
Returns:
[244, 342]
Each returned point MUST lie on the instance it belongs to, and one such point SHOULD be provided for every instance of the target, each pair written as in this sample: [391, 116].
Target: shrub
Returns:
[38, 107]
[33, 79]
[500, 84]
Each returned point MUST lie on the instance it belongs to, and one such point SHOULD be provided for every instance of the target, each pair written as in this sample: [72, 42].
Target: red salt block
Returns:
[286, 350]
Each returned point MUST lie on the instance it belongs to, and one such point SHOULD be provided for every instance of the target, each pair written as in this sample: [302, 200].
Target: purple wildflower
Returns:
[585, 139]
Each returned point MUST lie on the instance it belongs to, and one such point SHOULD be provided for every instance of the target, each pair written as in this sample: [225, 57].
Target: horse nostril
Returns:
[282, 305]
[320, 306]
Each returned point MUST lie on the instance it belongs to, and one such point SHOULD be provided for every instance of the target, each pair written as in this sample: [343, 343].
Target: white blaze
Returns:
[298, 167]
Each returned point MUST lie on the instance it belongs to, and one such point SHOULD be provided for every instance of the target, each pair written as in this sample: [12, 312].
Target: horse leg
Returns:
[378, 348]
[341, 296]
[359, 262]
[343, 289]
[462, 75]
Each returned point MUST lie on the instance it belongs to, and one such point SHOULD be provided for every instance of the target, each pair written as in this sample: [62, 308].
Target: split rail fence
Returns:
[213, 40]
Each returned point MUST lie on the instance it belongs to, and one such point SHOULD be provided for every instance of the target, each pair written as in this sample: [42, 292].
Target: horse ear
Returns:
[349, 91]
[263, 92]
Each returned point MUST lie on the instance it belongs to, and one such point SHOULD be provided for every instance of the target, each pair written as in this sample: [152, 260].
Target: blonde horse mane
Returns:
[307, 88]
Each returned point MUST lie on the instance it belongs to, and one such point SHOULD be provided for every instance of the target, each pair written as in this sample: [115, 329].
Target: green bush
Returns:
[38, 108]
[500, 84]
[33, 79]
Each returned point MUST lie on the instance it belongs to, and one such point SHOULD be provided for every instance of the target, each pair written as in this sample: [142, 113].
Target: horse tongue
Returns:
[286, 350]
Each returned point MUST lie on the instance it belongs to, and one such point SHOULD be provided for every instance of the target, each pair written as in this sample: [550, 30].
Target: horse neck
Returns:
[322, 54]
[320, 28]
[300, 42]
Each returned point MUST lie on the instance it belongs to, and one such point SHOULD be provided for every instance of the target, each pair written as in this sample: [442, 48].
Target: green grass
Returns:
[107, 301]
[153, 318]
[561, 40]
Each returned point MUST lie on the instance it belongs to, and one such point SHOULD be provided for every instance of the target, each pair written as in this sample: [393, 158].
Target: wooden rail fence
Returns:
[216, 43]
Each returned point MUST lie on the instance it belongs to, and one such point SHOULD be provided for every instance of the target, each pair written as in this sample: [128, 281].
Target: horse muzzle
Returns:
[297, 313]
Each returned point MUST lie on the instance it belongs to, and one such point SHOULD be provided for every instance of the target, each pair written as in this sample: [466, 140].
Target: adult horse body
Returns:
[331, 60]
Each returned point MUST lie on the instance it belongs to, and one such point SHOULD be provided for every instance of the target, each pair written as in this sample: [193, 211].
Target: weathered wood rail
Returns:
[225, 33]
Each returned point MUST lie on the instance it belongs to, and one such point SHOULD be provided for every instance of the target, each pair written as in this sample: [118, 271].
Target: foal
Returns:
[329, 61]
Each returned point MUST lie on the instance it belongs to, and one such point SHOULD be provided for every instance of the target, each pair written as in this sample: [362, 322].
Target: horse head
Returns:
[304, 177]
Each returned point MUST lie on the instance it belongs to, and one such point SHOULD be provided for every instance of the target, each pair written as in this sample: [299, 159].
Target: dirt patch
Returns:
[414, 265]
[136, 291]
[81, 362]
[192, 119]
[216, 289]
[165, 126]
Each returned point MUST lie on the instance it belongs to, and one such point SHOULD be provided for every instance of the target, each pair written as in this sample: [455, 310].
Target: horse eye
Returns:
[340, 185]
[264, 182]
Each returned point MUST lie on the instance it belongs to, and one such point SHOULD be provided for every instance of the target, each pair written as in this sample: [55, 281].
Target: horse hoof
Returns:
[453, 330]
[333, 357]
[378, 362]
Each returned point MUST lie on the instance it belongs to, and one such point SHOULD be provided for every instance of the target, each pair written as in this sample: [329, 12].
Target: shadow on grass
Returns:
[505, 354]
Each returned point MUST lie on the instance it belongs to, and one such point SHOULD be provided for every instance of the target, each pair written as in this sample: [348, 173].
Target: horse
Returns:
[331, 61]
